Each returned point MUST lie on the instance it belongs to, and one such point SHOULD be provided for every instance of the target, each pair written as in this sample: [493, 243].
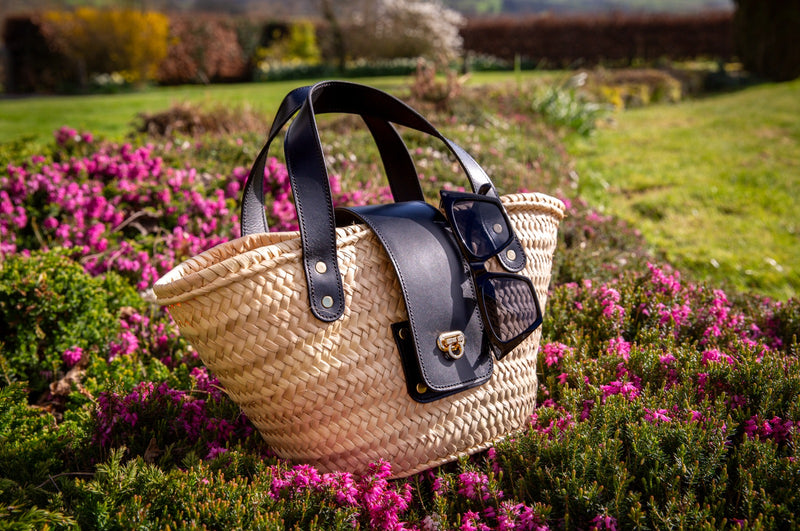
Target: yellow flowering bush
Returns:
[104, 41]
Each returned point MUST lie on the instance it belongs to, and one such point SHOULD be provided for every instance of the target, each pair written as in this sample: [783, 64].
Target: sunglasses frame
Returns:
[481, 276]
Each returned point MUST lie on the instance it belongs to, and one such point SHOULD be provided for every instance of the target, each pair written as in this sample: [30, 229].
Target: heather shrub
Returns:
[34, 443]
[131, 43]
[193, 120]
[54, 316]
[597, 246]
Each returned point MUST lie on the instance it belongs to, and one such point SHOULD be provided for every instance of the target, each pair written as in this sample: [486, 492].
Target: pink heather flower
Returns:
[215, 450]
[474, 486]
[715, 356]
[777, 429]
[472, 522]
[588, 405]
[530, 521]
[669, 284]
[737, 401]
[618, 346]
[491, 456]
[676, 315]
[439, 486]
[666, 359]
[554, 352]
[604, 522]
[609, 297]
[660, 415]
[72, 355]
[127, 343]
[626, 389]
[562, 378]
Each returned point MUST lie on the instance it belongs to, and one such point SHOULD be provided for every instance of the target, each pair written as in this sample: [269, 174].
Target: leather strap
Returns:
[397, 163]
[311, 189]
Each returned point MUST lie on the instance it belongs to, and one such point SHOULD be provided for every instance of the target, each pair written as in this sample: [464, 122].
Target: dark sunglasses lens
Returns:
[481, 226]
[511, 306]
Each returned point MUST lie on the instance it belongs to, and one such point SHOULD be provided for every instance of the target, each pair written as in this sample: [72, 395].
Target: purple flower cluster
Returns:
[121, 208]
[657, 310]
[181, 415]
[775, 429]
[375, 498]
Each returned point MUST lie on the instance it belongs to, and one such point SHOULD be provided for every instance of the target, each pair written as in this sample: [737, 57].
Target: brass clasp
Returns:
[452, 344]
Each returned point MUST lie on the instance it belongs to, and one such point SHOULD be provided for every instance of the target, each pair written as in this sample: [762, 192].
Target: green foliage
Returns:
[566, 106]
[296, 52]
[137, 493]
[33, 446]
[49, 304]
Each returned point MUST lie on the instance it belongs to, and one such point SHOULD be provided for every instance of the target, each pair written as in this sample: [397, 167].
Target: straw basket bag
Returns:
[327, 337]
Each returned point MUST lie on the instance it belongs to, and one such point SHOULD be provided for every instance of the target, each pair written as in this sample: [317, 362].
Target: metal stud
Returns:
[421, 388]
[497, 228]
[327, 301]
[511, 255]
[321, 268]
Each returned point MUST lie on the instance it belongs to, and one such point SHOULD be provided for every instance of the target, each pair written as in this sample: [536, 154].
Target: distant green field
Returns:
[714, 182]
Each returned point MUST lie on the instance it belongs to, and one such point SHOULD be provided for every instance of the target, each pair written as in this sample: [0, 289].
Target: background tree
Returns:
[389, 29]
[766, 37]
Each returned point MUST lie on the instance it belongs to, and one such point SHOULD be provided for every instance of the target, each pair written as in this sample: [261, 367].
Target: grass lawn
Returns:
[112, 115]
[713, 182]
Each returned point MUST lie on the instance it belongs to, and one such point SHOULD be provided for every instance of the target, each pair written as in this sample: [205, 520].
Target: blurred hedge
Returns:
[205, 48]
[566, 40]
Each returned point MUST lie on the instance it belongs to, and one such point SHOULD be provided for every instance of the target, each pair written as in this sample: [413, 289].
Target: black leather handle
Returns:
[308, 176]
[397, 162]
[352, 98]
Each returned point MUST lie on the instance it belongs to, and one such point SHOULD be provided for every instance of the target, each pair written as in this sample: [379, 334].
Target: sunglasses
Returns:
[508, 303]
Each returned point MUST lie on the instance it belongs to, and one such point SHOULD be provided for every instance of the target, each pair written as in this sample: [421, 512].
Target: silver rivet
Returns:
[402, 333]
[511, 255]
[497, 228]
[327, 301]
[321, 268]
[421, 389]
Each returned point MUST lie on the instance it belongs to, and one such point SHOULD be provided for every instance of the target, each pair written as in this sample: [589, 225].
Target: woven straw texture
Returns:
[334, 394]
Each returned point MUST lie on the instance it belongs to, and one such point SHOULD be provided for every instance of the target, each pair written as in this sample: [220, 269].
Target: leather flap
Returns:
[439, 295]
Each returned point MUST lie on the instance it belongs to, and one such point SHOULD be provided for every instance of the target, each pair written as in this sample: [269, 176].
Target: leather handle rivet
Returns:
[402, 333]
[421, 388]
[497, 228]
[511, 255]
[327, 301]
[321, 268]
